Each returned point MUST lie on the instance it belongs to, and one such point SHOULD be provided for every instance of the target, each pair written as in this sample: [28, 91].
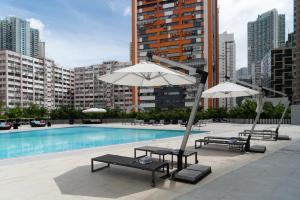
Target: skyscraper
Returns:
[16, 35]
[34, 42]
[20, 35]
[264, 34]
[227, 63]
[5, 34]
[182, 31]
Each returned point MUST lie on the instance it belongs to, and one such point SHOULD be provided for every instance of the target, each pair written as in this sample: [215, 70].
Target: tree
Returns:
[15, 112]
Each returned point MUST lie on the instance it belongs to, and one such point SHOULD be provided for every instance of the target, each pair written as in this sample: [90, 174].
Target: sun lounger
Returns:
[5, 125]
[160, 122]
[37, 123]
[109, 159]
[241, 144]
[137, 122]
[265, 134]
[161, 151]
[193, 173]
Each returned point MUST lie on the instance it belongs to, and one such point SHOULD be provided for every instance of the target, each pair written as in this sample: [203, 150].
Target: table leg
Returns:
[168, 170]
[94, 170]
[196, 157]
[134, 153]
[153, 179]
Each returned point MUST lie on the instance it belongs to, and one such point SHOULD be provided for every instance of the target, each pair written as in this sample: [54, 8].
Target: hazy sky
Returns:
[85, 32]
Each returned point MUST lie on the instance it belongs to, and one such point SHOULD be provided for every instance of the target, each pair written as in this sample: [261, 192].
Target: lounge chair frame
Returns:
[110, 159]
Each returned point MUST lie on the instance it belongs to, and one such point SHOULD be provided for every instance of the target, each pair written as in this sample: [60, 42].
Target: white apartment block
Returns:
[90, 92]
[227, 64]
[25, 80]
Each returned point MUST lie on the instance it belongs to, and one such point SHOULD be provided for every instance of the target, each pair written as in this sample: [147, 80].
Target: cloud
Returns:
[127, 11]
[36, 23]
[112, 5]
[235, 14]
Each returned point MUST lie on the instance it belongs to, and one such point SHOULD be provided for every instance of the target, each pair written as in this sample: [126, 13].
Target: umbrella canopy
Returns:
[94, 110]
[147, 74]
[228, 90]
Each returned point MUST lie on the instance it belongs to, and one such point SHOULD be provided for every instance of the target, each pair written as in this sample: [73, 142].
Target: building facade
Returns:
[34, 42]
[297, 52]
[90, 92]
[182, 31]
[227, 64]
[242, 73]
[26, 80]
[282, 71]
[264, 34]
[16, 35]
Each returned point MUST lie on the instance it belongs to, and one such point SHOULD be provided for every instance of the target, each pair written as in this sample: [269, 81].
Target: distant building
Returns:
[265, 70]
[90, 92]
[16, 35]
[242, 73]
[34, 42]
[297, 51]
[227, 64]
[264, 34]
[182, 31]
[26, 80]
[42, 50]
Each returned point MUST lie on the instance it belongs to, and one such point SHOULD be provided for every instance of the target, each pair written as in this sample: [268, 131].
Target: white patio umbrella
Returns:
[94, 110]
[228, 90]
[147, 74]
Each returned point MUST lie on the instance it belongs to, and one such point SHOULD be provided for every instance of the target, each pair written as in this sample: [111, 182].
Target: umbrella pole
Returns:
[260, 108]
[191, 119]
[282, 116]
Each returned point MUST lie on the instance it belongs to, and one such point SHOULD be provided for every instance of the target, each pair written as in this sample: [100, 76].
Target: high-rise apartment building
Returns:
[5, 34]
[16, 35]
[42, 50]
[182, 31]
[34, 43]
[242, 73]
[90, 92]
[25, 80]
[282, 71]
[227, 63]
[297, 52]
[264, 34]
[19, 36]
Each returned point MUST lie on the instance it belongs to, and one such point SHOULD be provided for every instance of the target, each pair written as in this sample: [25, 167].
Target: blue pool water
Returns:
[36, 142]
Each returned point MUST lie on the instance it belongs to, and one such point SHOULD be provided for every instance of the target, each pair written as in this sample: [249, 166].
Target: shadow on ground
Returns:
[113, 182]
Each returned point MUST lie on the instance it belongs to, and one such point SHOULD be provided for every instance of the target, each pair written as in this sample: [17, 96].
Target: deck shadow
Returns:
[113, 182]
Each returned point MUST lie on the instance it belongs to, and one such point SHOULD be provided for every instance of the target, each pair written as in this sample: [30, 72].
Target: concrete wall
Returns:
[295, 114]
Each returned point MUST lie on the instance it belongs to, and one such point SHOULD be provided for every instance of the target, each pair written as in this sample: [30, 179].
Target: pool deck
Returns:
[67, 175]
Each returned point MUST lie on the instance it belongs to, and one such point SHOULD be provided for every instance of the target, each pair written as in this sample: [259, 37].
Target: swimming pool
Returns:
[36, 142]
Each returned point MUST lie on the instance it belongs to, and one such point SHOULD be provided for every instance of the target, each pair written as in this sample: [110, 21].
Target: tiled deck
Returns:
[67, 175]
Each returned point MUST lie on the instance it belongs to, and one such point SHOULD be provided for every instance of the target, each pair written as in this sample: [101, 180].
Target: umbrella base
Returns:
[193, 173]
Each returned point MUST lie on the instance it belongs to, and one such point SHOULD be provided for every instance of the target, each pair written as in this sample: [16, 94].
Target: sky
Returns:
[86, 32]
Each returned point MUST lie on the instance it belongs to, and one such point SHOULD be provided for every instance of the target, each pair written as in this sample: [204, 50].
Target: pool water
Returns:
[36, 142]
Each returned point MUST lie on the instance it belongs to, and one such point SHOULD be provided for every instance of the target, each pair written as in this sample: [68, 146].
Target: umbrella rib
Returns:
[186, 79]
[164, 78]
[121, 78]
